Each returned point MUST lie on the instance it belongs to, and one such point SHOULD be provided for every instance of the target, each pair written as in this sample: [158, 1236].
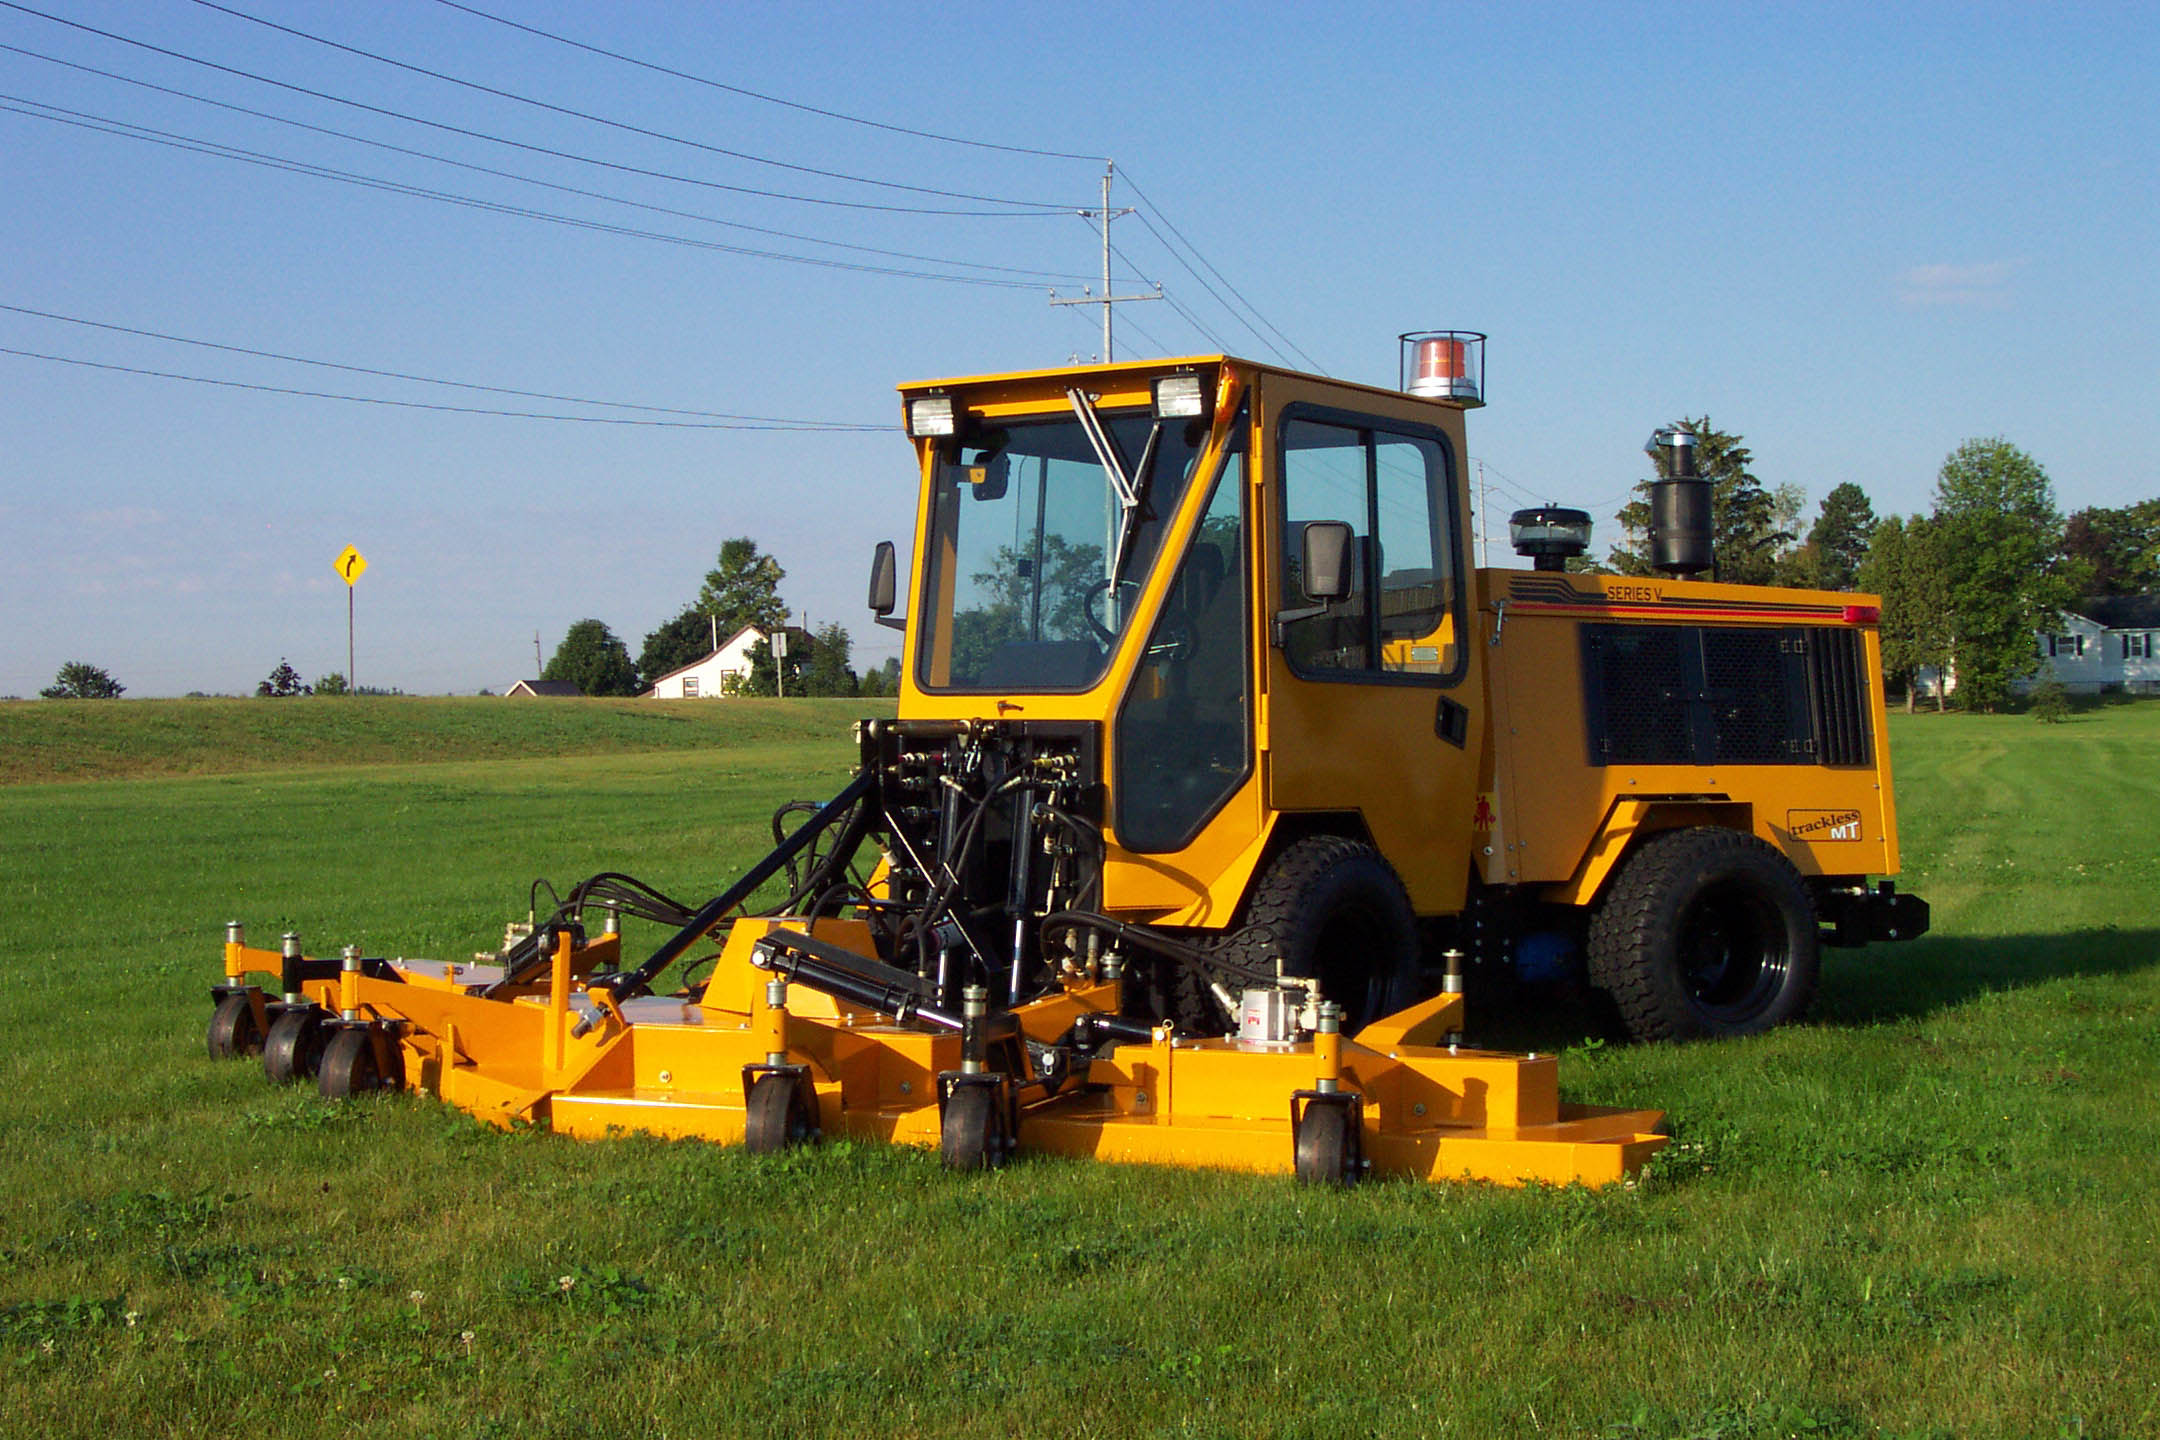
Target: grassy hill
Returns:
[132, 739]
[1927, 1211]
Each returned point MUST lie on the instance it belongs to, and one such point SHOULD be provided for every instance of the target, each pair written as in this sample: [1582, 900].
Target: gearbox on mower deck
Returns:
[805, 1025]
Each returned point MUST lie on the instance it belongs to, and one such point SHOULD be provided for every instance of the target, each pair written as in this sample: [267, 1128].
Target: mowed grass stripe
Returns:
[130, 739]
[1928, 1211]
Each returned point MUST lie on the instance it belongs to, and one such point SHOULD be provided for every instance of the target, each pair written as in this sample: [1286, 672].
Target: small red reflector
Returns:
[1863, 614]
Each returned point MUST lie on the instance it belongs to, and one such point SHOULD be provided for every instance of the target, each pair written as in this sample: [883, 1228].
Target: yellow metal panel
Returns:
[1563, 822]
[1374, 749]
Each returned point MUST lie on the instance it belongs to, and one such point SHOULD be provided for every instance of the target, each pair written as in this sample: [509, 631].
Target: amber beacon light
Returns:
[1444, 365]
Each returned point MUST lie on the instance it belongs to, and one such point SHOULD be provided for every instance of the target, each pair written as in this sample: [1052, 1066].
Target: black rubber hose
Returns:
[1191, 956]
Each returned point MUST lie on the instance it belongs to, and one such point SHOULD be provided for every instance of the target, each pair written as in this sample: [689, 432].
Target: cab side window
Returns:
[1392, 491]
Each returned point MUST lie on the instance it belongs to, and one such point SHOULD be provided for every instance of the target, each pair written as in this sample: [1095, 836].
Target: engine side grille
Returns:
[1733, 695]
[1838, 696]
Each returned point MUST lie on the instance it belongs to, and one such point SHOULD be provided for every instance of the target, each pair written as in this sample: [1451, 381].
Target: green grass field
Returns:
[1931, 1210]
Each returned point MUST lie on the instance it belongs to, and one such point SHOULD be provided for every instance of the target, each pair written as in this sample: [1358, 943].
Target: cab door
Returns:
[1372, 702]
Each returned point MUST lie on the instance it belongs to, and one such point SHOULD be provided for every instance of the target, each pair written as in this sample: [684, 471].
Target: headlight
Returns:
[931, 415]
[1179, 397]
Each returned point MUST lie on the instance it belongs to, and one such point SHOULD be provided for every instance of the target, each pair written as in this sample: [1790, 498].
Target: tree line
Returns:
[1965, 587]
[742, 589]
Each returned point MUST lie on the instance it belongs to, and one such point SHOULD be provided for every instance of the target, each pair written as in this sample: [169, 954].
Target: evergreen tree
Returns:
[828, 671]
[1836, 543]
[1744, 516]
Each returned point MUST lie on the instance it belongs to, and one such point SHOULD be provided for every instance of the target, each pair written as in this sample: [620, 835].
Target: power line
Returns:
[130, 131]
[1228, 308]
[814, 425]
[591, 118]
[427, 379]
[1175, 304]
[513, 175]
[756, 95]
[1150, 204]
[492, 139]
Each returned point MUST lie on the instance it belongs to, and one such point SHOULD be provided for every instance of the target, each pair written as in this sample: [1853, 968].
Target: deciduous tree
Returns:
[2122, 547]
[283, 682]
[2001, 550]
[684, 640]
[80, 681]
[1904, 566]
[593, 659]
[743, 588]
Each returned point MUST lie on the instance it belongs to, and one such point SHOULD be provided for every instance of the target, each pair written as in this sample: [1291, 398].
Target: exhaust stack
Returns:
[1681, 535]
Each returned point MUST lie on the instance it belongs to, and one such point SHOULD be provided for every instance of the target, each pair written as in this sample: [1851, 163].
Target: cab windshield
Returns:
[1038, 549]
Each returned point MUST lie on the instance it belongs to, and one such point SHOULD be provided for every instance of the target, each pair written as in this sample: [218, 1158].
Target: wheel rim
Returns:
[1734, 953]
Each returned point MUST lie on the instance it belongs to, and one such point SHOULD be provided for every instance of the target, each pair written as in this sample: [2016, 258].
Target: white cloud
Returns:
[1985, 285]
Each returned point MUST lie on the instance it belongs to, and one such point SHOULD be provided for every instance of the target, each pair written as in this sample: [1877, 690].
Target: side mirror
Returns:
[1327, 561]
[885, 585]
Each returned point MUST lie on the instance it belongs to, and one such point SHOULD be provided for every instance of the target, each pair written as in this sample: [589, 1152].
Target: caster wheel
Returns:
[233, 1030]
[294, 1048]
[780, 1116]
[349, 1066]
[964, 1136]
[1323, 1146]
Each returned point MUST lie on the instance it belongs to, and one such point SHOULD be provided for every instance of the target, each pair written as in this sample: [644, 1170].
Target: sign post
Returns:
[778, 642]
[350, 565]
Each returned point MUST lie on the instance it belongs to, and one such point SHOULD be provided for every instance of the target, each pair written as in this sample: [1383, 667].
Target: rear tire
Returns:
[1705, 932]
[1332, 909]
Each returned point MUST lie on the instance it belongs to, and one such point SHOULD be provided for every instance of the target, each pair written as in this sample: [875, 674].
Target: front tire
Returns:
[1332, 909]
[1705, 932]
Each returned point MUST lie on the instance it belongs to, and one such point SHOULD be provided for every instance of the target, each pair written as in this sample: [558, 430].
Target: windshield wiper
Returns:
[1135, 513]
[1131, 486]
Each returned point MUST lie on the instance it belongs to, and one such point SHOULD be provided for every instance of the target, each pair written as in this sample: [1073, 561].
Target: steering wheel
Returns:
[1087, 606]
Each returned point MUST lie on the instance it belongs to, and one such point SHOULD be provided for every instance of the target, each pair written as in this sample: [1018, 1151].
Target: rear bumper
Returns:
[1853, 914]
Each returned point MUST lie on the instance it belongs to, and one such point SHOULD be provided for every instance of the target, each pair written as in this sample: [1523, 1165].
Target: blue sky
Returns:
[1857, 235]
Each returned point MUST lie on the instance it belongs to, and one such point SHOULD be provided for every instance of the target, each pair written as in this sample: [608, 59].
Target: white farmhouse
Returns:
[2107, 642]
[722, 671]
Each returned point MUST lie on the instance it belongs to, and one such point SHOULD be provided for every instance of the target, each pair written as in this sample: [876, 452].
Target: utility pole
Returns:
[1106, 299]
[1484, 508]
[537, 665]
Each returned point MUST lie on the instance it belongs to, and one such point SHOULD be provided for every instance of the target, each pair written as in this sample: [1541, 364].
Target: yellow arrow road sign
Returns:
[351, 565]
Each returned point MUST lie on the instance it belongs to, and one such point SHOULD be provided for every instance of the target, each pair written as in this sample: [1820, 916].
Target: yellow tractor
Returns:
[1216, 767]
